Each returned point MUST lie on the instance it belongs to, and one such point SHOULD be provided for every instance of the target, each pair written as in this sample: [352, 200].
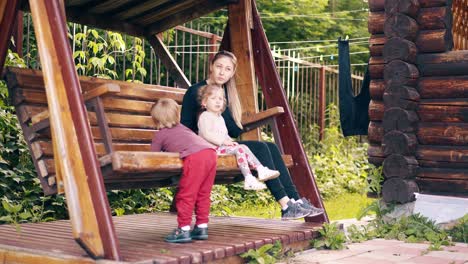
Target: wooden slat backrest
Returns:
[128, 115]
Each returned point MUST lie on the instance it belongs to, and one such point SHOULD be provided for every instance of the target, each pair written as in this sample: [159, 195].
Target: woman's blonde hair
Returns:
[233, 97]
[166, 113]
[207, 90]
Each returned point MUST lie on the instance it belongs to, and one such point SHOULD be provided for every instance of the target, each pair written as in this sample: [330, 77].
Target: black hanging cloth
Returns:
[354, 110]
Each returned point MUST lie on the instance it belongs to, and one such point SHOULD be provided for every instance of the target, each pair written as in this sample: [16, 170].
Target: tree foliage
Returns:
[296, 21]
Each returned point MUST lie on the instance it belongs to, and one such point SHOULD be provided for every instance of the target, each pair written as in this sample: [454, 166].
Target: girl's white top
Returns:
[212, 128]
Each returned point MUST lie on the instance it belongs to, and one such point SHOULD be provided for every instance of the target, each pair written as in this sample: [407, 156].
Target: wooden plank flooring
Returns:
[141, 240]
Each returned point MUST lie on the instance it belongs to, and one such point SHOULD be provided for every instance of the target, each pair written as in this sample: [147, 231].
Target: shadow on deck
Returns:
[141, 240]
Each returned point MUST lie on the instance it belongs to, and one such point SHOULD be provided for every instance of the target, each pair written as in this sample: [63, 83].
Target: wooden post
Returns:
[376, 5]
[213, 48]
[322, 102]
[74, 151]
[8, 13]
[18, 34]
[240, 25]
[274, 94]
[171, 65]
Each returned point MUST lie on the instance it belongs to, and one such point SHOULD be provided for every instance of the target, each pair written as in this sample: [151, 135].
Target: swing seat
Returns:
[122, 129]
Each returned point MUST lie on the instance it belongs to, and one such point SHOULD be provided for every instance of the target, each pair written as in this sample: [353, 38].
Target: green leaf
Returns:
[6, 218]
[25, 215]
[95, 33]
[7, 206]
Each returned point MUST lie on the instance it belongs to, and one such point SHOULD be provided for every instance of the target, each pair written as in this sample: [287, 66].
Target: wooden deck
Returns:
[141, 240]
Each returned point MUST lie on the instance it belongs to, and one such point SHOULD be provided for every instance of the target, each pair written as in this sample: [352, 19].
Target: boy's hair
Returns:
[165, 113]
[208, 90]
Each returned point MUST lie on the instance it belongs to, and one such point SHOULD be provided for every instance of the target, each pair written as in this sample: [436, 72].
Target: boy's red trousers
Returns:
[195, 185]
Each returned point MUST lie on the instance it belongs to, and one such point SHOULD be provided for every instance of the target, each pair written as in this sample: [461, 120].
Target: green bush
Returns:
[20, 192]
[340, 164]
[331, 237]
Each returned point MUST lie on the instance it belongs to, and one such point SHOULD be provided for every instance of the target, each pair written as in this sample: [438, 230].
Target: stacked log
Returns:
[419, 107]
[460, 26]
[400, 101]
[430, 25]
[392, 111]
[377, 85]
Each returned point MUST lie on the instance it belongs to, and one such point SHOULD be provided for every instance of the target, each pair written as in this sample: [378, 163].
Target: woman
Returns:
[222, 70]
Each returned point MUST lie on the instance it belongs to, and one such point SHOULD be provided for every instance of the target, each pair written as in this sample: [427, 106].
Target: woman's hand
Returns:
[229, 142]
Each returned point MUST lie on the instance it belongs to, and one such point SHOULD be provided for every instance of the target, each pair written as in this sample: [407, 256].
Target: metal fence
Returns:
[309, 85]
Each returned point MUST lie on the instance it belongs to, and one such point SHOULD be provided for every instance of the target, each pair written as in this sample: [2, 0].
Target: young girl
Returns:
[199, 171]
[211, 127]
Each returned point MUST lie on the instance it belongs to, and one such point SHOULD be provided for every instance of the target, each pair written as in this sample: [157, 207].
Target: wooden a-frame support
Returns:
[78, 166]
[269, 80]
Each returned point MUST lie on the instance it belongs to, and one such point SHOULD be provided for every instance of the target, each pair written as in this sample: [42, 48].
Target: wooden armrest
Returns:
[39, 117]
[261, 118]
[93, 93]
[101, 90]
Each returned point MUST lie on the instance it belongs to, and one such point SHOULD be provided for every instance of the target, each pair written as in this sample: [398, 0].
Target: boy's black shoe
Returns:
[178, 236]
[313, 210]
[294, 211]
[199, 233]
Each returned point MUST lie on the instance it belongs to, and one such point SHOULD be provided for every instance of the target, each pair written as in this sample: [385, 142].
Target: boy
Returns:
[199, 170]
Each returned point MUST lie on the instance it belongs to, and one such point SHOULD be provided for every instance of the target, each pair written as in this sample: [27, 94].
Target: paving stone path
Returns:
[381, 251]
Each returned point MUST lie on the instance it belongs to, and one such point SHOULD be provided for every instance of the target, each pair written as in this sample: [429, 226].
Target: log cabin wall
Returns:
[419, 106]
[460, 24]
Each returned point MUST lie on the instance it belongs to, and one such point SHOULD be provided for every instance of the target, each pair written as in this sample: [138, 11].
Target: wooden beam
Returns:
[18, 34]
[204, 34]
[273, 91]
[169, 10]
[376, 5]
[135, 162]
[453, 87]
[399, 190]
[102, 21]
[400, 25]
[443, 64]
[8, 12]
[407, 7]
[168, 61]
[162, 22]
[140, 8]
[76, 160]
[240, 25]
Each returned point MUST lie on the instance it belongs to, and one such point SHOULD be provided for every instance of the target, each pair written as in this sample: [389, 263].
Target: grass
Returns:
[342, 207]
[346, 206]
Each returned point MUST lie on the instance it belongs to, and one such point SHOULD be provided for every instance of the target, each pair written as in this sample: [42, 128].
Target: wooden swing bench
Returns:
[122, 128]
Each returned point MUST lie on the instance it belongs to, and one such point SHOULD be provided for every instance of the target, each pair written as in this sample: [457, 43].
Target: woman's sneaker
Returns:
[294, 211]
[179, 236]
[199, 233]
[251, 183]
[265, 174]
[308, 206]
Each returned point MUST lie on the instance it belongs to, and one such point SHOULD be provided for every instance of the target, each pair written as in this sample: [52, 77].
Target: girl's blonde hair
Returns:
[234, 102]
[166, 113]
[207, 90]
